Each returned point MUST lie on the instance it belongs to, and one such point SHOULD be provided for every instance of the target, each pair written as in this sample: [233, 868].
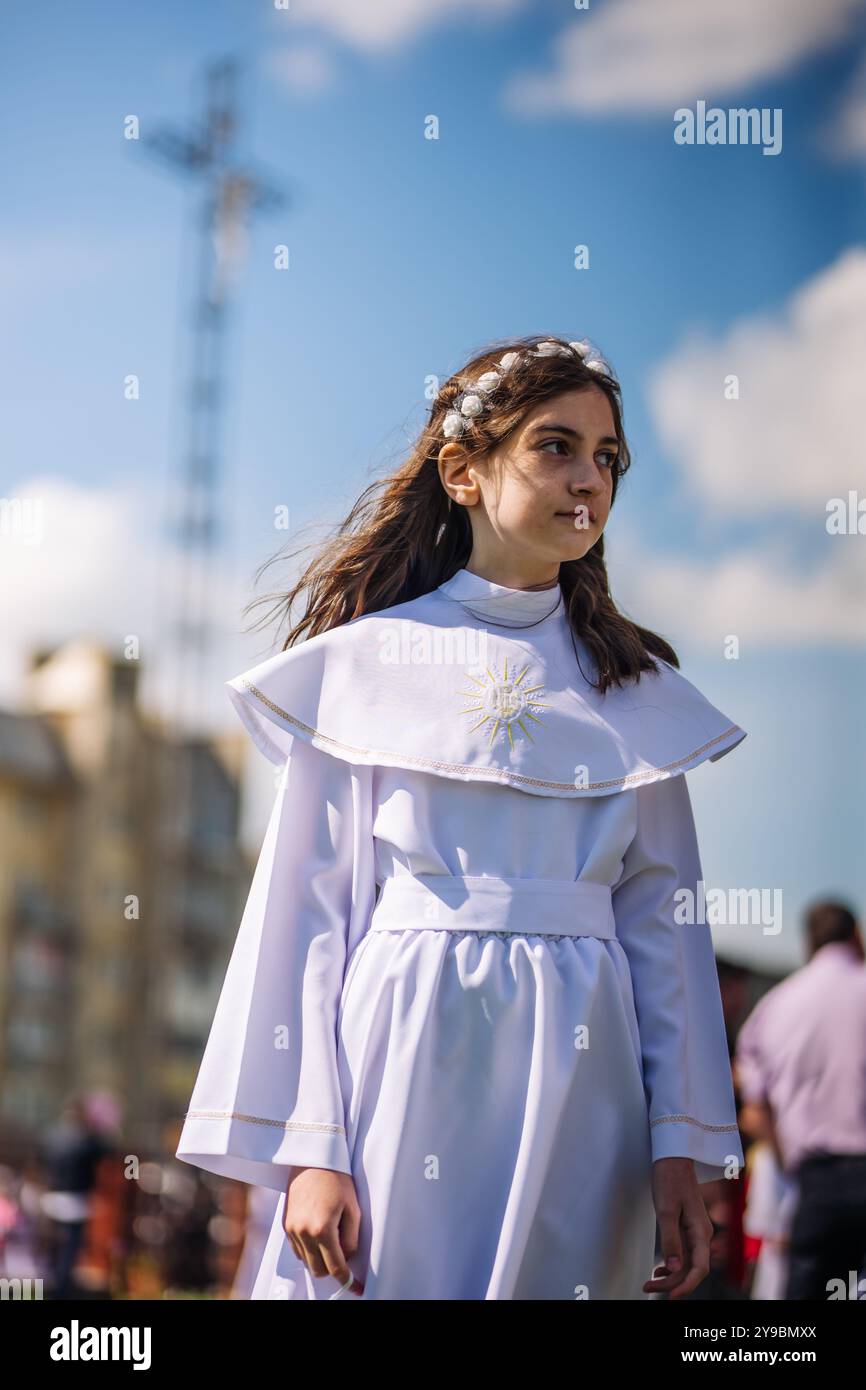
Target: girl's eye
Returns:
[611, 454]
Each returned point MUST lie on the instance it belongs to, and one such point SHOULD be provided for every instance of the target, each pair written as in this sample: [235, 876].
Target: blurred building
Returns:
[122, 882]
[38, 924]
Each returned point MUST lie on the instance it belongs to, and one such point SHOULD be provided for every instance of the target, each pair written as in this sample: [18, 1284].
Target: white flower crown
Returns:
[474, 399]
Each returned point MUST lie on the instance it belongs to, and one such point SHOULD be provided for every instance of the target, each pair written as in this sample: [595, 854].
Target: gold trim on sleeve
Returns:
[258, 1120]
[690, 1119]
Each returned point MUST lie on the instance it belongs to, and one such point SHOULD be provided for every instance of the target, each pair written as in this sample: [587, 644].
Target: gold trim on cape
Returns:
[502, 774]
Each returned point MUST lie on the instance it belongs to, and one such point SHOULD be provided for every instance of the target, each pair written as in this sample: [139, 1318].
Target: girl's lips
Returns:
[573, 515]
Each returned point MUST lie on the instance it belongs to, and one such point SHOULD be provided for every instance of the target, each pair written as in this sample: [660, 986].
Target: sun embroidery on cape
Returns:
[504, 701]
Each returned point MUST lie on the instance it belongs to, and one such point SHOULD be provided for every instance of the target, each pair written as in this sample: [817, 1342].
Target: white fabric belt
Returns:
[527, 906]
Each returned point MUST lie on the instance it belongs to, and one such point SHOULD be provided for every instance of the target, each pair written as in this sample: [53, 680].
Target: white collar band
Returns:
[492, 601]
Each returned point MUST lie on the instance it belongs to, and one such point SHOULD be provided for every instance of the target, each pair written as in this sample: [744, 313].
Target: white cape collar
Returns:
[426, 685]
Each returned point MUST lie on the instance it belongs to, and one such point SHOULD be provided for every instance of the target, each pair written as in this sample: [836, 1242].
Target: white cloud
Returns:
[90, 562]
[793, 439]
[628, 55]
[789, 444]
[305, 69]
[376, 26]
[844, 137]
[759, 594]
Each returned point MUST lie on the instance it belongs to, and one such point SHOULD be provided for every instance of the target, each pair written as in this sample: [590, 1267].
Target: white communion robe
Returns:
[461, 975]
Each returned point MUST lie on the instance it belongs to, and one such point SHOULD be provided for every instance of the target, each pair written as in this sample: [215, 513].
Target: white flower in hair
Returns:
[488, 382]
[471, 406]
[581, 347]
[596, 364]
[509, 360]
[550, 349]
[454, 424]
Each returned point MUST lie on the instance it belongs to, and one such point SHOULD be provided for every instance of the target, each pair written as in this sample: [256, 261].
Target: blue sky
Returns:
[406, 254]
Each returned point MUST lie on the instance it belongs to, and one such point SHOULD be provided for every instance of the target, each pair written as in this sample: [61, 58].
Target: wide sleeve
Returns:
[686, 1065]
[268, 1093]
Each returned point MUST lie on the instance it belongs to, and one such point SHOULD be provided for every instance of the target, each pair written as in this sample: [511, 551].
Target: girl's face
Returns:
[544, 495]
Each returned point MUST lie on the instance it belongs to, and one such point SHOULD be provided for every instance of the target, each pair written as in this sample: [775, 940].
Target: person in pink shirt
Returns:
[801, 1056]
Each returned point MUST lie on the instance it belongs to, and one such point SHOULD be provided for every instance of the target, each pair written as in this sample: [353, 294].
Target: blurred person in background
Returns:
[770, 1204]
[9, 1214]
[192, 1258]
[71, 1155]
[801, 1070]
[23, 1245]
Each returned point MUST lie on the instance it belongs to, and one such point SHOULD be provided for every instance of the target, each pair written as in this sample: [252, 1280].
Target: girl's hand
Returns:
[322, 1219]
[684, 1227]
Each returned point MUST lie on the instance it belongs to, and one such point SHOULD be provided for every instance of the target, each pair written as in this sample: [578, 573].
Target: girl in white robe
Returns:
[466, 973]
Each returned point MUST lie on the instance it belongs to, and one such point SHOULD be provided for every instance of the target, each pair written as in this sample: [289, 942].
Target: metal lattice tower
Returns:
[229, 195]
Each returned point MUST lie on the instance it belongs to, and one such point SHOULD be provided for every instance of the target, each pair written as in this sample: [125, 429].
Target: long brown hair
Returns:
[403, 538]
